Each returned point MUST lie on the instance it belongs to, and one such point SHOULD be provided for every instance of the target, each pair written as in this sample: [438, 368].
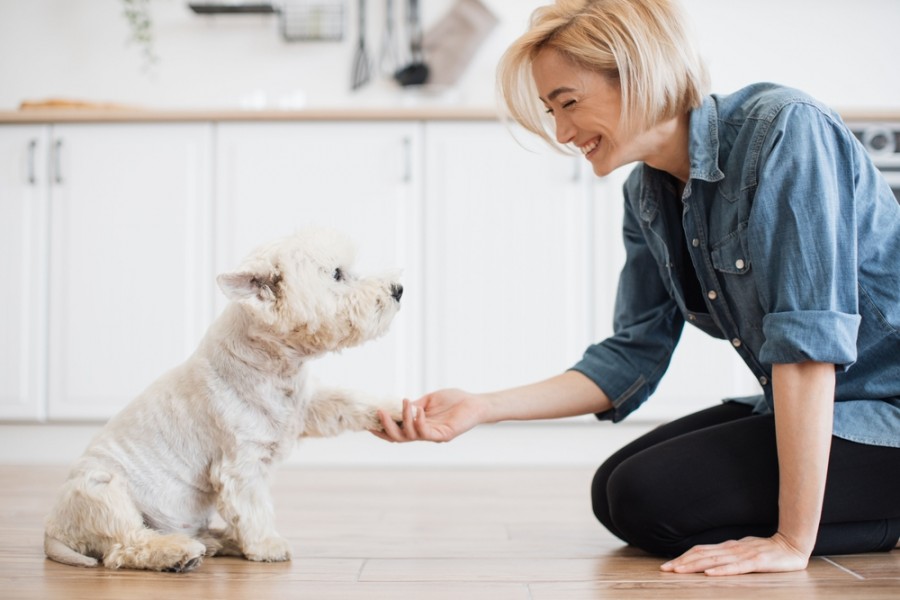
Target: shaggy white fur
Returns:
[203, 438]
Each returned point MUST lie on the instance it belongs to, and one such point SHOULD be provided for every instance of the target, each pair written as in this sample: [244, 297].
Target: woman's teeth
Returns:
[589, 146]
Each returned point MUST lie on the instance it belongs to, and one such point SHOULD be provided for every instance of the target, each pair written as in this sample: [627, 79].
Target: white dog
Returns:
[203, 438]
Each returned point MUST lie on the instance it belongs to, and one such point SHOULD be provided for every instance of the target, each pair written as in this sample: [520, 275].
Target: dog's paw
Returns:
[174, 553]
[187, 563]
[187, 558]
[393, 409]
[273, 549]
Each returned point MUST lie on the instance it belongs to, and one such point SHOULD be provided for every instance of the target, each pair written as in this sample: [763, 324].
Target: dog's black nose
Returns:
[396, 291]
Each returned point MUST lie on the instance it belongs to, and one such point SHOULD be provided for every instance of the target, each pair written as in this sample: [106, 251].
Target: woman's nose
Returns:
[565, 131]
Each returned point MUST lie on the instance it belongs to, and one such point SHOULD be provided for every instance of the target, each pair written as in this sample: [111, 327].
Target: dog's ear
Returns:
[254, 283]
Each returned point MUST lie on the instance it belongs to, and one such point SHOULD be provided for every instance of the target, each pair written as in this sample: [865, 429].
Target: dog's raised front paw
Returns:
[273, 549]
[394, 411]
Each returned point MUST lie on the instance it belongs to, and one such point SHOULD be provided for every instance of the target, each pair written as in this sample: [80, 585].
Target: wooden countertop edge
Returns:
[88, 115]
[136, 115]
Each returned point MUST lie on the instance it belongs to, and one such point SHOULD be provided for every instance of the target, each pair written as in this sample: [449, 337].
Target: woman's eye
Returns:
[338, 274]
[568, 104]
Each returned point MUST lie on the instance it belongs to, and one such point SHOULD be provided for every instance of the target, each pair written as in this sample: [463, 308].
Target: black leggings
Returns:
[713, 476]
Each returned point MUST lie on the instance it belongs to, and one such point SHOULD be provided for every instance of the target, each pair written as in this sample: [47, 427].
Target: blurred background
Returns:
[840, 51]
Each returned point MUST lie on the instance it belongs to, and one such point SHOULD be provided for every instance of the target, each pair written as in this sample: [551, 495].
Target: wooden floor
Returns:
[516, 534]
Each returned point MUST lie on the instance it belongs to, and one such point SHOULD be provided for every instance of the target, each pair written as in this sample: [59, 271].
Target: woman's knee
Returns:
[599, 496]
[633, 506]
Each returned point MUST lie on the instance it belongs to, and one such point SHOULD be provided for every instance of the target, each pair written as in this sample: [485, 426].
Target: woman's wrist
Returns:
[491, 407]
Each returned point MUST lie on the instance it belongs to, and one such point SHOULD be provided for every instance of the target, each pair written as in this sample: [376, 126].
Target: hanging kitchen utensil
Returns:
[360, 75]
[389, 59]
[416, 72]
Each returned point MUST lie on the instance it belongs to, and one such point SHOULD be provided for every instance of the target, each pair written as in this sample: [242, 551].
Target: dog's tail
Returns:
[59, 552]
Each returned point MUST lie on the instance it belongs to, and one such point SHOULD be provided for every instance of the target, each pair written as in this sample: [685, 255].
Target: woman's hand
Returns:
[747, 555]
[436, 417]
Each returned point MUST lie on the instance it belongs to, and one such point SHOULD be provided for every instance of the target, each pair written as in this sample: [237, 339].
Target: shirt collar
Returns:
[703, 142]
[703, 150]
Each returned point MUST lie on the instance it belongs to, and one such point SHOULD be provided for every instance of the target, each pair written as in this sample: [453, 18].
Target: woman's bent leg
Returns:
[713, 476]
[716, 415]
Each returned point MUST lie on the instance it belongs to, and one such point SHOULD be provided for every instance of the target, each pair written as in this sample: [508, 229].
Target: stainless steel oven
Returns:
[882, 140]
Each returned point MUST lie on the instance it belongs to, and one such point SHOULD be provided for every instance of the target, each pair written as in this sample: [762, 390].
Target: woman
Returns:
[758, 218]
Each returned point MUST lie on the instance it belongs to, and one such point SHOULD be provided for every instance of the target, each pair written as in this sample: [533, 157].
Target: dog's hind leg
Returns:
[149, 549]
[96, 518]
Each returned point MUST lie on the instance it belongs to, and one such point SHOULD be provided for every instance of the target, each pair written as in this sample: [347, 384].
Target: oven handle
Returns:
[893, 180]
[892, 177]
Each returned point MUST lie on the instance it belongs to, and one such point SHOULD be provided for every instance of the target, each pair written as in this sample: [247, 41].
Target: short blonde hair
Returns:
[641, 44]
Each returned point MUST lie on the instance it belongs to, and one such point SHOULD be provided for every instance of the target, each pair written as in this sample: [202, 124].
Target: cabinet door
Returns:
[130, 253]
[360, 178]
[23, 263]
[506, 244]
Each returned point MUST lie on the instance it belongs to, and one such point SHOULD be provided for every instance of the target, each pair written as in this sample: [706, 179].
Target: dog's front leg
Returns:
[334, 410]
[244, 503]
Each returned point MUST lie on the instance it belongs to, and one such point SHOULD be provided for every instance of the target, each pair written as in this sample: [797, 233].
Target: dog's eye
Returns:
[338, 274]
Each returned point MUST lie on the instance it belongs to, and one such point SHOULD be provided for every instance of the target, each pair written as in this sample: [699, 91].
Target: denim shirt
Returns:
[795, 239]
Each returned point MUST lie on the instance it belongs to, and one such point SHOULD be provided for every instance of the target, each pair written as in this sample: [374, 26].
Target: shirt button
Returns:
[695, 242]
[739, 263]
[736, 343]
[763, 380]
[692, 318]
[712, 295]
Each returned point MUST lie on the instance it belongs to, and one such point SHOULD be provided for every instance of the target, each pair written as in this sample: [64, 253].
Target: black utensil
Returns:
[416, 72]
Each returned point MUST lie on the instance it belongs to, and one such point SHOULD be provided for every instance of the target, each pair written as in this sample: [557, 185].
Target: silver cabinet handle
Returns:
[57, 162]
[407, 159]
[32, 150]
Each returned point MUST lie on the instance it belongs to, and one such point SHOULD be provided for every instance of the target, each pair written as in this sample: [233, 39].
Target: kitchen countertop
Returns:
[138, 115]
[438, 113]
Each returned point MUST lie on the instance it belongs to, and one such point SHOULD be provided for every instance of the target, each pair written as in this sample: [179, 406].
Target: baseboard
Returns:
[563, 443]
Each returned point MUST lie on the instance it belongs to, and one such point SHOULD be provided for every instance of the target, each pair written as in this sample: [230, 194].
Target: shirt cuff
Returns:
[816, 335]
[625, 394]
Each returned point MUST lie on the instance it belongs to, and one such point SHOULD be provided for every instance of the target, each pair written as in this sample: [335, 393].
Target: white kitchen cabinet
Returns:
[23, 264]
[361, 178]
[114, 263]
[507, 249]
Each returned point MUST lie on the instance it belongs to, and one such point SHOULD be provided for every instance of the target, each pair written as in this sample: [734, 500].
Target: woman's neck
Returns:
[668, 142]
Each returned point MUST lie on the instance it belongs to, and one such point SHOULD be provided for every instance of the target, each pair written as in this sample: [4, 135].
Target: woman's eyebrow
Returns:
[557, 92]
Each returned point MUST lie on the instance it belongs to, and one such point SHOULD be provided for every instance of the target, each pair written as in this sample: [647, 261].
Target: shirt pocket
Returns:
[729, 255]
[731, 260]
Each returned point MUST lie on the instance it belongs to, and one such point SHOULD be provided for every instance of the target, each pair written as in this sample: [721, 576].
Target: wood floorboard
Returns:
[473, 534]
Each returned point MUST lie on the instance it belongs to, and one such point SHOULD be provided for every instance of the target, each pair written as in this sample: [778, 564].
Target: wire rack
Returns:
[312, 20]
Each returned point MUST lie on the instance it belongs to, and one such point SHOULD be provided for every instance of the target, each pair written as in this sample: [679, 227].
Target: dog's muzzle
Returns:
[396, 291]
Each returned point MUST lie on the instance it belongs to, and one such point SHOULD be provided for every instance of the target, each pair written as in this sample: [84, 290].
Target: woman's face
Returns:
[586, 107]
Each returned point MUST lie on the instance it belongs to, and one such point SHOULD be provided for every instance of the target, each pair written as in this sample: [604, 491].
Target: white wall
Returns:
[842, 51]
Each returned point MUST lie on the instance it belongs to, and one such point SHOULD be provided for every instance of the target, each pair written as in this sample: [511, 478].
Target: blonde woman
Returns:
[757, 217]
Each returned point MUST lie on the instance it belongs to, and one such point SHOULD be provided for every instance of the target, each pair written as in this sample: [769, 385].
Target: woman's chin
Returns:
[602, 169]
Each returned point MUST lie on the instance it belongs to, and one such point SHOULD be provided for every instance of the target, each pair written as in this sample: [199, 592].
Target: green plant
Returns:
[137, 13]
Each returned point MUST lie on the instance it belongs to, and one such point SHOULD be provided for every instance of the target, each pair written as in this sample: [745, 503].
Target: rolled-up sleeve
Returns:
[629, 365]
[803, 242]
